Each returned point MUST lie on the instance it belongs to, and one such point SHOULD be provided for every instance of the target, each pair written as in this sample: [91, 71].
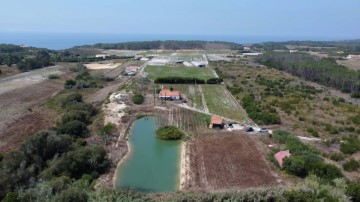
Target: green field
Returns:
[220, 102]
[167, 71]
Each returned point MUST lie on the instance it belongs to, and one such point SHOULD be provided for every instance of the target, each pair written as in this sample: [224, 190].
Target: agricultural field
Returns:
[179, 71]
[229, 161]
[219, 101]
[191, 93]
[351, 64]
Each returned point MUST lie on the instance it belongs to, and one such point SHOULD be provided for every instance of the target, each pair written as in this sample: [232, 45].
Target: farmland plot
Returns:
[190, 72]
[220, 102]
[190, 93]
[229, 161]
[176, 57]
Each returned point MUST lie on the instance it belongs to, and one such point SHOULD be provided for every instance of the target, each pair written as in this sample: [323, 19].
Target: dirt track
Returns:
[229, 161]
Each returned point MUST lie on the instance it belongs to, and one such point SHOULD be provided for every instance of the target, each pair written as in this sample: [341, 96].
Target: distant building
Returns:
[144, 59]
[138, 57]
[216, 122]
[293, 51]
[251, 54]
[166, 94]
[353, 57]
[102, 56]
[247, 48]
[131, 70]
[281, 155]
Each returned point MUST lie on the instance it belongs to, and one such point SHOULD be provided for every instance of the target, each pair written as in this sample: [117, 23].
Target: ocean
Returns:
[58, 41]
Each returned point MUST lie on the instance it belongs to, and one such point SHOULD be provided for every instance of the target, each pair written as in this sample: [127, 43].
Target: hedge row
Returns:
[187, 80]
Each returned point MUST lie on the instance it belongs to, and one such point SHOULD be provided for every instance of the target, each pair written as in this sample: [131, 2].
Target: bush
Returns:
[74, 128]
[351, 165]
[53, 76]
[138, 99]
[337, 156]
[356, 119]
[71, 195]
[69, 84]
[107, 129]
[355, 95]
[169, 133]
[350, 145]
[78, 115]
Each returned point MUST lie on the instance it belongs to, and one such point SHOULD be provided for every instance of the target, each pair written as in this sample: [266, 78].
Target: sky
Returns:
[300, 18]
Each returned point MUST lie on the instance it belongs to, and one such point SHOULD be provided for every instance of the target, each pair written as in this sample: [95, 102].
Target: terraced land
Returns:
[179, 71]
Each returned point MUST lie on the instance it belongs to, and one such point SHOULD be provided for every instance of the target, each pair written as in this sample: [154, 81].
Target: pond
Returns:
[152, 165]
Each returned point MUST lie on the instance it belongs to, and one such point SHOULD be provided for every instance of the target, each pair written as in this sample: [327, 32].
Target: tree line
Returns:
[323, 71]
[187, 80]
[167, 45]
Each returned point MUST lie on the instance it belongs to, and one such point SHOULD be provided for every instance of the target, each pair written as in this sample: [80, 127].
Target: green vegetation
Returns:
[54, 163]
[82, 80]
[42, 59]
[304, 159]
[108, 129]
[167, 45]
[324, 71]
[351, 165]
[258, 114]
[181, 72]
[350, 145]
[169, 133]
[220, 102]
[53, 76]
[138, 98]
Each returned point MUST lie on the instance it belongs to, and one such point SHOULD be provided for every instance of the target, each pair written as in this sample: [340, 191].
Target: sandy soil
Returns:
[184, 166]
[102, 65]
[229, 161]
[28, 78]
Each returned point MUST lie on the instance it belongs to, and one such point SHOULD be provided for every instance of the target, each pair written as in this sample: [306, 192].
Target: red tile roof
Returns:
[281, 155]
[166, 92]
[216, 120]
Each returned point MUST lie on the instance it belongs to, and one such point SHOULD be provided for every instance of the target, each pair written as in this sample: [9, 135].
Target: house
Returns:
[216, 122]
[102, 56]
[293, 51]
[166, 94]
[251, 54]
[281, 155]
[353, 57]
[247, 48]
[131, 70]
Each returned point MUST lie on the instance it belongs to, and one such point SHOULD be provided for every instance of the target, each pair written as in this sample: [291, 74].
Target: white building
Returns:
[102, 56]
[353, 57]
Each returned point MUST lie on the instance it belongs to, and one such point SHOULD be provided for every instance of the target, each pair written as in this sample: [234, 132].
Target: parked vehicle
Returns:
[263, 130]
[248, 130]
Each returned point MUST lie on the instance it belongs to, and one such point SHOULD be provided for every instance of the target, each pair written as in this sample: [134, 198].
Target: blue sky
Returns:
[299, 18]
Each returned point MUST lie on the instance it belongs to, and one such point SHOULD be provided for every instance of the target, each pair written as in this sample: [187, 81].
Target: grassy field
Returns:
[220, 102]
[192, 93]
[166, 71]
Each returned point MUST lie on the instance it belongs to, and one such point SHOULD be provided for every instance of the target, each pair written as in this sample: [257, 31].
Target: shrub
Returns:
[169, 133]
[78, 115]
[107, 129]
[355, 95]
[351, 165]
[350, 145]
[214, 81]
[69, 84]
[337, 156]
[138, 99]
[74, 128]
[72, 194]
[356, 119]
[179, 80]
[53, 76]
[313, 132]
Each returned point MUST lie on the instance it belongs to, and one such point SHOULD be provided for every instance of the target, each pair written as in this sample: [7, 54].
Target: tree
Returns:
[74, 128]
[138, 99]
[169, 133]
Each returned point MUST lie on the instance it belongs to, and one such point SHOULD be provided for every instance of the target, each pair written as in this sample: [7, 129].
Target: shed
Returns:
[281, 155]
[216, 122]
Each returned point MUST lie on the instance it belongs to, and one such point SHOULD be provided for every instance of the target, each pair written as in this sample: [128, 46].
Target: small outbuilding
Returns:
[281, 155]
[216, 122]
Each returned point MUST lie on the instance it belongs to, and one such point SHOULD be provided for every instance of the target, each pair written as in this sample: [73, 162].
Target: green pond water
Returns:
[153, 165]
